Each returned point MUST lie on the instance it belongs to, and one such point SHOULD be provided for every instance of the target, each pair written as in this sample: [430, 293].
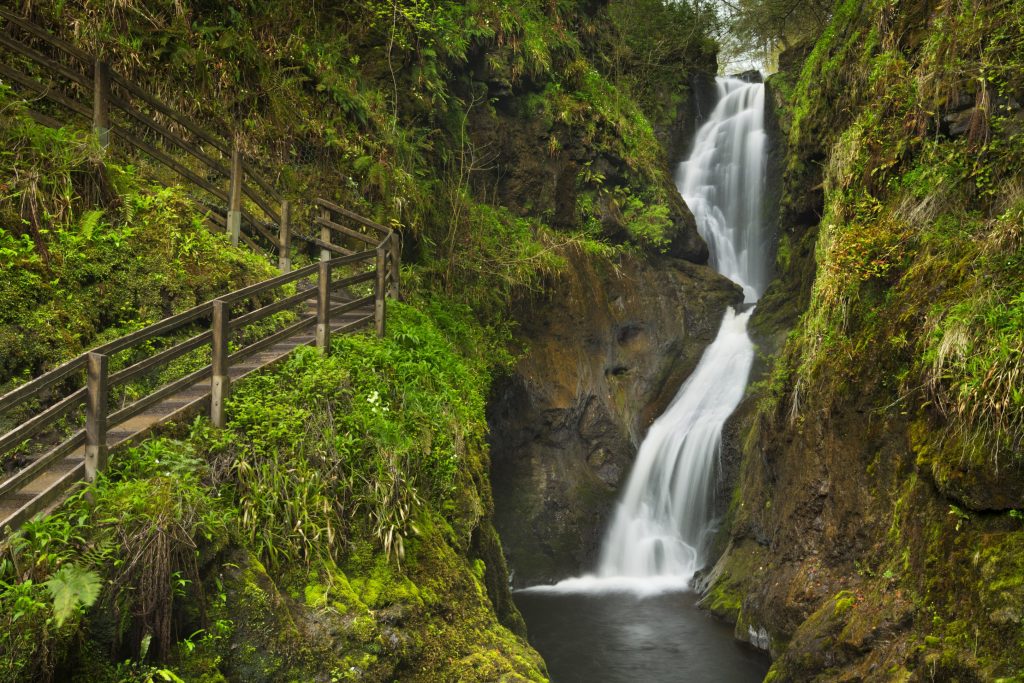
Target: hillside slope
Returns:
[340, 528]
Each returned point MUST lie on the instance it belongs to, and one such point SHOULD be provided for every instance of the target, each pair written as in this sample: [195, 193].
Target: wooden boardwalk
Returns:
[43, 492]
[350, 293]
[358, 269]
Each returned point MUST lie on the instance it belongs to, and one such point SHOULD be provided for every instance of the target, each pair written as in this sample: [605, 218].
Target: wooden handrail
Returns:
[199, 154]
[94, 438]
[262, 312]
[331, 206]
[33, 388]
[49, 92]
[162, 358]
[183, 121]
[272, 283]
[349, 232]
[260, 202]
[43, 60]
[160, 327]
[262, 198]
[170, 162]
[267, 188]
[64, 395]
[36, 424]
[334, 248]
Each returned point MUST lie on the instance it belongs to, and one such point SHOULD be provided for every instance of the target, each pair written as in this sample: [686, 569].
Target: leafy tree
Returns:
[760, 29]
[659, 43]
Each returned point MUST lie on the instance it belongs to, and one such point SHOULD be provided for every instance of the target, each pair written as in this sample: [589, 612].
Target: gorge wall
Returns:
[875, 529]
[604, 358]
[607, 348]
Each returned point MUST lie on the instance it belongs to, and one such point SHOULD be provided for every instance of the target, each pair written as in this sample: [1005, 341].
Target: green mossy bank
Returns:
[876, 526]
[255, 553]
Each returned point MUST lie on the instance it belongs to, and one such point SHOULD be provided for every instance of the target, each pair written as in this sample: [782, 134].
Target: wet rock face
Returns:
[602, 362]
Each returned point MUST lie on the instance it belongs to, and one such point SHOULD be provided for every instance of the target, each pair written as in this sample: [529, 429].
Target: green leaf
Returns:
[89, 222]
[70, 588]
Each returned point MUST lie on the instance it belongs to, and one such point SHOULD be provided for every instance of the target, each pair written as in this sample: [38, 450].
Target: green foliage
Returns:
[648, 224]
[79, 275]
[137, 532]
[493, 258]
[371, 432]
[658, 47]
[915, 220]
[761, 28]
[28, 630]
[72, 588]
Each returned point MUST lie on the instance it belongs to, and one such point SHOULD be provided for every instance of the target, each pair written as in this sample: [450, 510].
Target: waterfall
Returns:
[661, 526]
[723, 184]
[662, 523]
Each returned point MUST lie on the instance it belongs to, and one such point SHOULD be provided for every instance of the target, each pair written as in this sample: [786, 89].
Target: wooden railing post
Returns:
[220, 384]
[323, 308]
[101, 102]
[379, 306]
[396, 262]
[284, 248]
[235, 196]
[325, 235]
[96, 416]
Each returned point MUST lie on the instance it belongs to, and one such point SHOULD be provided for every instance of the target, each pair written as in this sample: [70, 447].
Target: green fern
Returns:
[72, 587]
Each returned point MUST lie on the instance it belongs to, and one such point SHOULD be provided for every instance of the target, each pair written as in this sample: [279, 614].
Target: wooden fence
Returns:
[64, 418]
[370, 275]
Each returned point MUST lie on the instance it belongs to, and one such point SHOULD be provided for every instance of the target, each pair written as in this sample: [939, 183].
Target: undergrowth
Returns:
[90, 251]
[322, 456]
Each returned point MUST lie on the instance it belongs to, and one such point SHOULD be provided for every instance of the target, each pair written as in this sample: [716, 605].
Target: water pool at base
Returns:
[623, 638]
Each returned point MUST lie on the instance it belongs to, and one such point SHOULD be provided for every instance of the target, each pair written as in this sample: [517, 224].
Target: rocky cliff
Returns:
[605, 355]
[876, 526]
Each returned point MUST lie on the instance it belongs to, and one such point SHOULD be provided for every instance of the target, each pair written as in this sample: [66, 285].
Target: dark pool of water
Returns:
[613, 637]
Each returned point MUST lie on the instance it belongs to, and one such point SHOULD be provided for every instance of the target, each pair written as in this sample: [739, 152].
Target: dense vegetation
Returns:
[90, 249]
[920, 248]
[325, 460]
[339, 529]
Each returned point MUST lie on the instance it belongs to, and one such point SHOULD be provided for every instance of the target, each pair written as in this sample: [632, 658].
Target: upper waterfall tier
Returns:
[722, 183]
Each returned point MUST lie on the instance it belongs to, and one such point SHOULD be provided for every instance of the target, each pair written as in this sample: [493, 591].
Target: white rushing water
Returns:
[723, 181]
[659, 534]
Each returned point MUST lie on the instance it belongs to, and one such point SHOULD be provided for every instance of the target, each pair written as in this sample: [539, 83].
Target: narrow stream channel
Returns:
[635, 618]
